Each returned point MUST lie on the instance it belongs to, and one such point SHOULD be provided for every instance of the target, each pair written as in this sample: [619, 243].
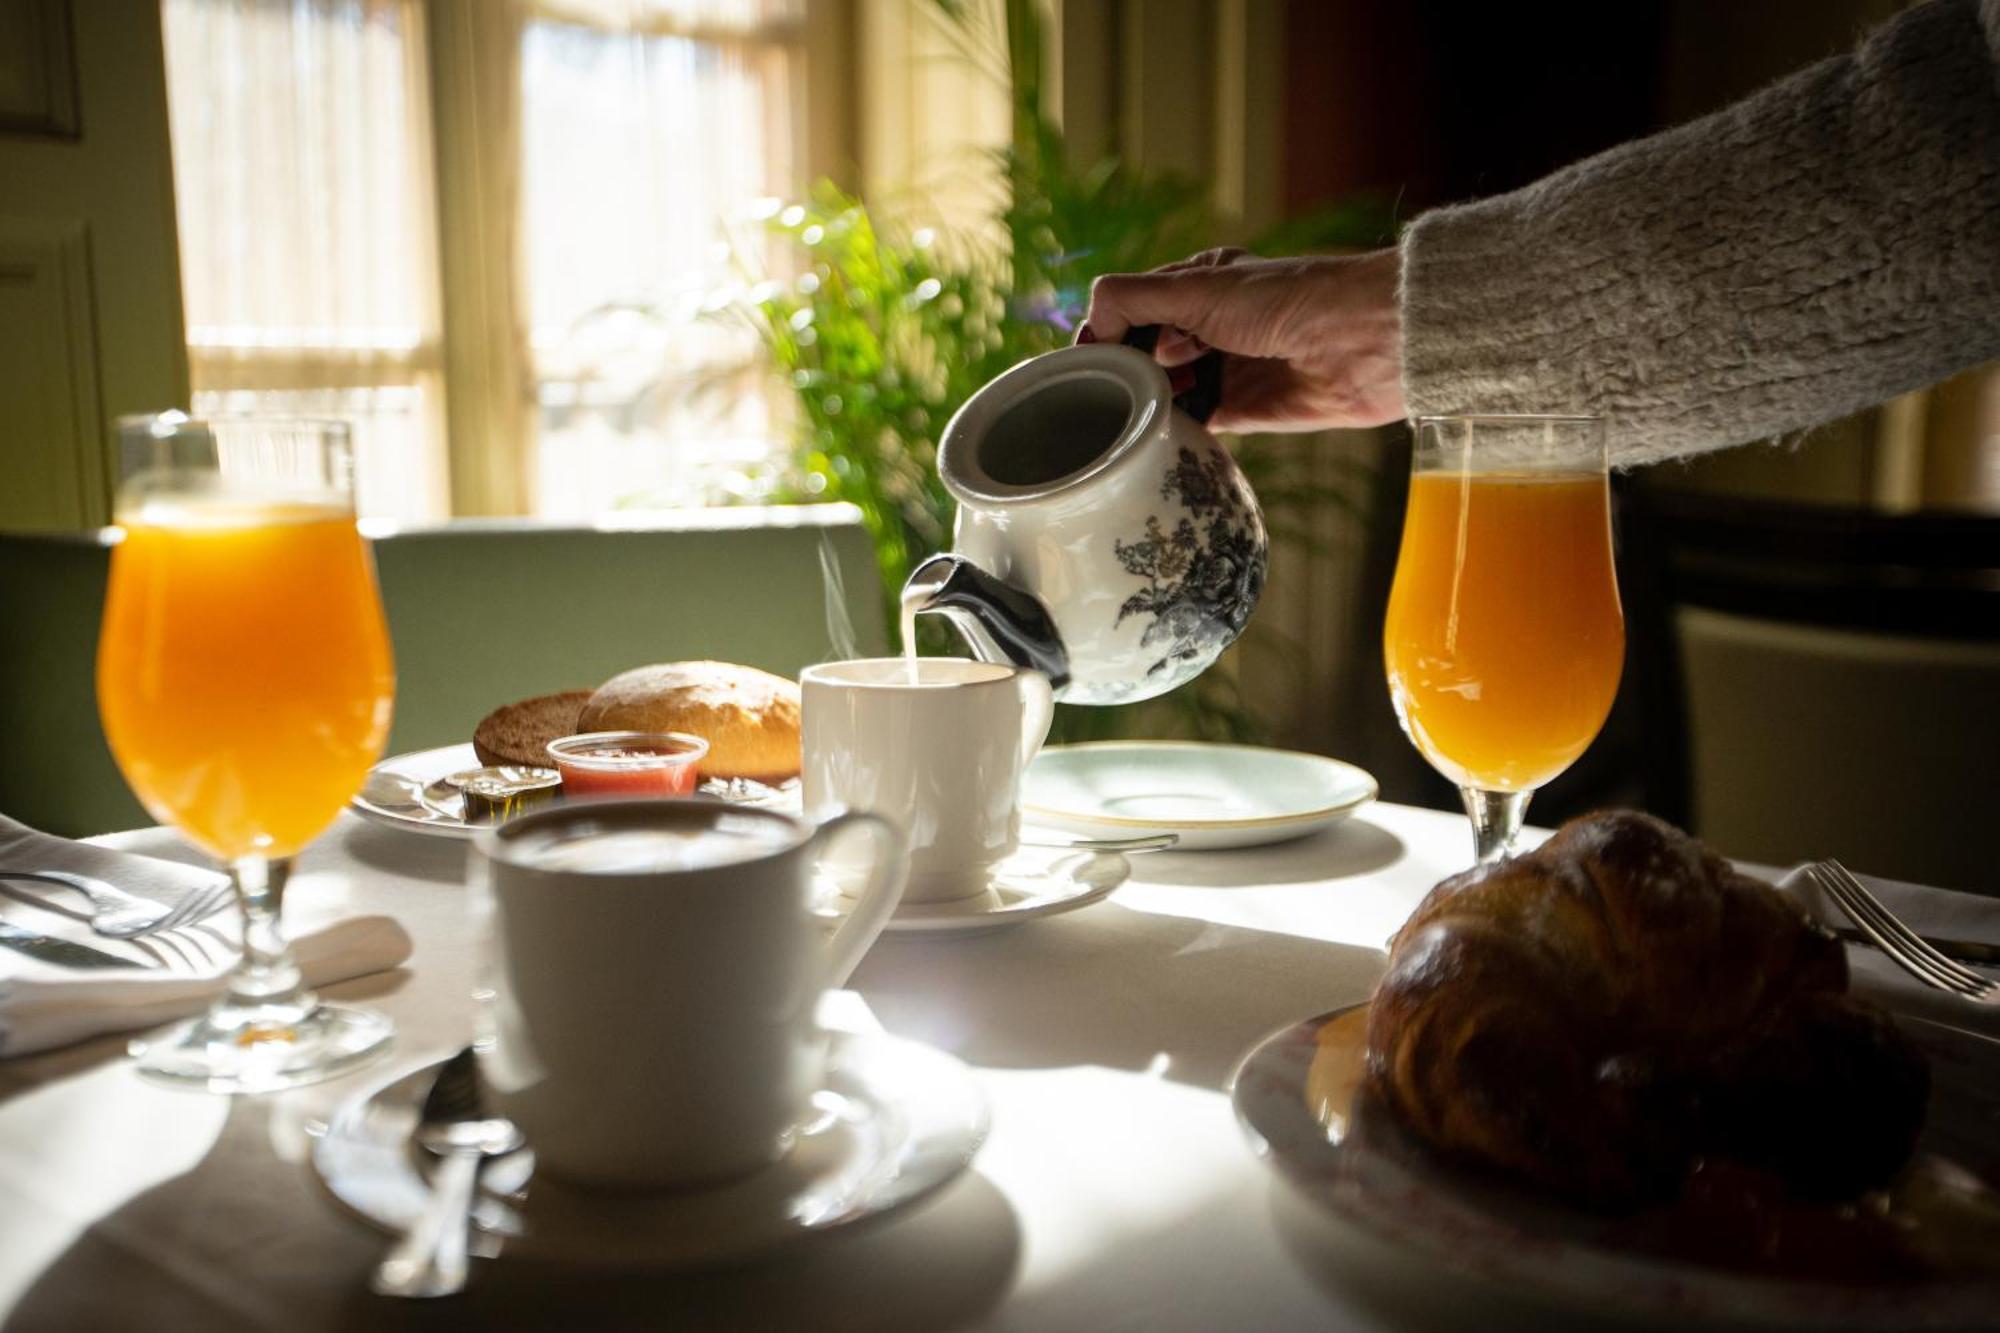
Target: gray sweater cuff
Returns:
[1829, 242]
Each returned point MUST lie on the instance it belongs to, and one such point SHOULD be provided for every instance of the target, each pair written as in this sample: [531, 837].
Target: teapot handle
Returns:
[1200, 399]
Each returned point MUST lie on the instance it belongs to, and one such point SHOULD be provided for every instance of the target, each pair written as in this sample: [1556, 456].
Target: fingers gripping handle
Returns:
[877, 900]
[1200, 399]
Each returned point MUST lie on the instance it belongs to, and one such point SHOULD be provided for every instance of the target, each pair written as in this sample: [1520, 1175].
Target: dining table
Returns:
[1116, 1189]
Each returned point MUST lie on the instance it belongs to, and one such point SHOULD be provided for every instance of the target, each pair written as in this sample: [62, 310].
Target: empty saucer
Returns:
[1212, 796]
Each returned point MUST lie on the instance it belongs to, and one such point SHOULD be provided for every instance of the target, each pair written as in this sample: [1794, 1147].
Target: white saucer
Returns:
[1212, 796]
[408, 791]
[1033, 883]
[895, 1121]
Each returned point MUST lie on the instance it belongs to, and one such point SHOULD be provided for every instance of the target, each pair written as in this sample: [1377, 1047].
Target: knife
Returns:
[61, 952]
[1963, 951]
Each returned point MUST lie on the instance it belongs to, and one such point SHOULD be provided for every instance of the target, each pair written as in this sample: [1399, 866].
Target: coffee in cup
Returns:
[654, 967]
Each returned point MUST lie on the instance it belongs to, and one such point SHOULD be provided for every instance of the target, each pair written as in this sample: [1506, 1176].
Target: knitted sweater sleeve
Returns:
[1827, 243]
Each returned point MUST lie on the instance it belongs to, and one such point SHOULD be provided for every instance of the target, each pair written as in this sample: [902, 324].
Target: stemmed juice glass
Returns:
[1504, 640]
[245, 684]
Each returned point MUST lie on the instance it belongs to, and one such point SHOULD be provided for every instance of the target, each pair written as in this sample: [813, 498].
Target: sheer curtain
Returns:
[301, 144]
[646, 127]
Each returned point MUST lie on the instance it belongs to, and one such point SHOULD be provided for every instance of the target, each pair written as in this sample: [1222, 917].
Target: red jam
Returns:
[629, 763]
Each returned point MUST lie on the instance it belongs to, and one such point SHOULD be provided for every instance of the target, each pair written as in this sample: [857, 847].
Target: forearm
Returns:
[1825, 244]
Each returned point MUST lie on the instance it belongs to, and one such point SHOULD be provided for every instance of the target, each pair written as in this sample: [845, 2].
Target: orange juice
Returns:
[1504, 640]
[243, 673]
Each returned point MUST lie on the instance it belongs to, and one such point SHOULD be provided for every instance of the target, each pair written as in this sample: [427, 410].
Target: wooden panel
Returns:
[1249, 44]
[51, 424]
[37, 69]
[1084, 85]
[1167, 113]
[84, 220]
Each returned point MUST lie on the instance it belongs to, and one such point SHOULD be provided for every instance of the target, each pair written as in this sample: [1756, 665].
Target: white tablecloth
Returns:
[1116, 1191]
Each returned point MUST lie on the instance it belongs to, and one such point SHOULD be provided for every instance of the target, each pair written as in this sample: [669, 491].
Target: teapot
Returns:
[1104, 537]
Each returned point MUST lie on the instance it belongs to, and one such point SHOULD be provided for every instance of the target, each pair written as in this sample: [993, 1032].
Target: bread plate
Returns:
[408, 792]
[1210, 796]
[1302, 1102]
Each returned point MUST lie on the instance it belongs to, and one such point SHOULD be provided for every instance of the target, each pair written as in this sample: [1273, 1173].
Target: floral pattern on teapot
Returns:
[1204, 575]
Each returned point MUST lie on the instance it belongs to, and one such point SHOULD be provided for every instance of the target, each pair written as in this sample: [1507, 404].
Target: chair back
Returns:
[1820, 681]
[55, 772]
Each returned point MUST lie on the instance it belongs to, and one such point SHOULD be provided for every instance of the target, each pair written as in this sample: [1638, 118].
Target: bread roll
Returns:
[519, 733]
[749, 718]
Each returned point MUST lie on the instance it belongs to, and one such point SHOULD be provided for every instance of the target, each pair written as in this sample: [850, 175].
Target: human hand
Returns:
[1308, 343]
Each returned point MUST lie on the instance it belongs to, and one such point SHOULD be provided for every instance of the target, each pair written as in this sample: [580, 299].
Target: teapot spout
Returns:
[1000, 622]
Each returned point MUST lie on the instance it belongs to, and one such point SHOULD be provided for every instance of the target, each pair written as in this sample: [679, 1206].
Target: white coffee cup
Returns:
[654, 966]
[936, 744]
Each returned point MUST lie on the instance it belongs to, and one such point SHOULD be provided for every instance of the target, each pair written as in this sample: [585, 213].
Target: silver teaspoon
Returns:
[456, 1125]
[1153, 842]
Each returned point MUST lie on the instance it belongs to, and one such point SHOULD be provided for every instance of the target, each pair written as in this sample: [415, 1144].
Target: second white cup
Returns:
[938, 745]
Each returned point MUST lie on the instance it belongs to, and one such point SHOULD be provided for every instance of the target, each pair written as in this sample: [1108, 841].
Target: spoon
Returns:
[456, 1125]
[1152, 842]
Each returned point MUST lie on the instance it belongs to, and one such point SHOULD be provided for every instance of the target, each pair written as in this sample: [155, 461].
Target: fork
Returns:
[1909, 950]
[119, 915]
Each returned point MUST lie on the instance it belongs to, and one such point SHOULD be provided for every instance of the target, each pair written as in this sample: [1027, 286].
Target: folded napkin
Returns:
[44, 1004]
[1939, 913]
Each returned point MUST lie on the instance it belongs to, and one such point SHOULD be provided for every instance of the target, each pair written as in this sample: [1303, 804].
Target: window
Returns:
[644, 127]
[307, 238]
[309, 137]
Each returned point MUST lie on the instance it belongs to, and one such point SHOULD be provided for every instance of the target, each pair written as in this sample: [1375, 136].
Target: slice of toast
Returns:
[519, 733]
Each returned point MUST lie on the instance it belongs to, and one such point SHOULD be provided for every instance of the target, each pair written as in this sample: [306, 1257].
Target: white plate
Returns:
[407, 792]
[894, 1123]
[1292, 1098]
[1212, 796]
[1033, 883]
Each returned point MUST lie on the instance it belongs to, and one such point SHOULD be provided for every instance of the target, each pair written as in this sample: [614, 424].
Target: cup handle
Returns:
[1038, 707]
[877, 899]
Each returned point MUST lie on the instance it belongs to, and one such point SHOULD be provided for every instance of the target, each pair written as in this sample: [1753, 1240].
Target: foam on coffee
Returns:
[636, 851]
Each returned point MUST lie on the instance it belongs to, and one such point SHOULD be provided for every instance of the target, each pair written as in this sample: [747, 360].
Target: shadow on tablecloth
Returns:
[408, 855]
[1110, 987]
[1354, 846]
[248, 1240]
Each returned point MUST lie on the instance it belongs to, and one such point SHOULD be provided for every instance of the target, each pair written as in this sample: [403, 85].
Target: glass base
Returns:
[254, 1054]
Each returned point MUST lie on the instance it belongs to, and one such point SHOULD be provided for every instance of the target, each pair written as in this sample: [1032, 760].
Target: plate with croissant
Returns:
[1620, 1072]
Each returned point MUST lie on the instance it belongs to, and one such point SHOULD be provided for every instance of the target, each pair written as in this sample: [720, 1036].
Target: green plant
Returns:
[882, 335]
[888, 327]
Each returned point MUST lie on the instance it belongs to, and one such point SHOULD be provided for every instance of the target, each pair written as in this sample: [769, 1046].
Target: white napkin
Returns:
[1932, 912]
[44, 1005]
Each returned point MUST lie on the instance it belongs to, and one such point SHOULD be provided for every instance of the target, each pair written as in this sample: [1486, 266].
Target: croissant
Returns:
[1596, 1015]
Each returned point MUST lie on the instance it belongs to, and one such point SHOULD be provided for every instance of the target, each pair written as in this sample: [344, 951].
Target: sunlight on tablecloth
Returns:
[108, 1137]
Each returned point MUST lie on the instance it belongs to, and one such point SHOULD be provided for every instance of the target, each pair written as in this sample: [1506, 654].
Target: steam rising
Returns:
[839, 622]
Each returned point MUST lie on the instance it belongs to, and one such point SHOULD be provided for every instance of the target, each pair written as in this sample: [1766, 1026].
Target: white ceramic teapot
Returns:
[1104, 537]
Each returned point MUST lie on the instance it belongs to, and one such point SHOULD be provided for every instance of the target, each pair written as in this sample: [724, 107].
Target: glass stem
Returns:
[267, 978]
[1496, 819]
